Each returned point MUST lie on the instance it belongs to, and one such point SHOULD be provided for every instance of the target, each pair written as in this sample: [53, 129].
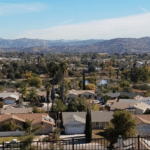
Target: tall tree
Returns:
[102, 65]
[33, 97]
[122, 124]
[88, 127]
[63, 68]
[29, 128]
[52, 70]
[48, 87]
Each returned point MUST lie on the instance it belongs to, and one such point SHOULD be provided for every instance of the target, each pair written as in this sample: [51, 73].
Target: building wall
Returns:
[12, 133]
[99, 125]
[138, 111]
[47, 128]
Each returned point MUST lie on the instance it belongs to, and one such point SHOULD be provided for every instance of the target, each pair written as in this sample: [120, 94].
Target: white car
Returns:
[95, 101]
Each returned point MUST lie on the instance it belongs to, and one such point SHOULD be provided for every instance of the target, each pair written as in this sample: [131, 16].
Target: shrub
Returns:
[1, 104]
[90, 86]
[127, 89]
[37, 110]
[9, 126]
[141, 87]
[124, 84]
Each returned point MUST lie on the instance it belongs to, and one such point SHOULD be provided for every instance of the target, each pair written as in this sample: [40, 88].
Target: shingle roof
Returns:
[104, 116]
[122, 105]
[9, 94]
[128, 100]
[36, 117]
[117, 94]
[141, 119]
[16, 110]
[96, 116]
[76, 92]
[68, 116]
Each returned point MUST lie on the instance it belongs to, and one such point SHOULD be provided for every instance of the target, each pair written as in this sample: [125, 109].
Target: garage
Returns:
[75, 129]
[9, 101]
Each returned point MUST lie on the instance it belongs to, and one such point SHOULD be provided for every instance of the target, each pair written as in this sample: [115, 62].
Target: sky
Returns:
[74, 19]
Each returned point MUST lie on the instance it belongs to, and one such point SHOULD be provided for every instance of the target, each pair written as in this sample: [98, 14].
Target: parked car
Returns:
[95, 101]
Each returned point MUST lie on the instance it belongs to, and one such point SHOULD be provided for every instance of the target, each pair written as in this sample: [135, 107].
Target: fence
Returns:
[131, 143]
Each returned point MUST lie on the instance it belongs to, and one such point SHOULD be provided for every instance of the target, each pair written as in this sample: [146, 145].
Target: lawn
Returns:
[6, 139]
[97, 133]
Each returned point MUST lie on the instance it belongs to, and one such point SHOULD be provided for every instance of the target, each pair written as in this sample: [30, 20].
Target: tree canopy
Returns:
[122, 124]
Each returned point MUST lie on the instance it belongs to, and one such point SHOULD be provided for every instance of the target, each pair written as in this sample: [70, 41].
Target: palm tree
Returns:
[63, 68]
[52, 69]
[29, 128]
[48, 87]
[102, 65]
[24, 90]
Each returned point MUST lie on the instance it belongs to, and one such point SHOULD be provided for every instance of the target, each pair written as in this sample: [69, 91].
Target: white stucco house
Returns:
[80, 93]
[9, 98]
[74, 122]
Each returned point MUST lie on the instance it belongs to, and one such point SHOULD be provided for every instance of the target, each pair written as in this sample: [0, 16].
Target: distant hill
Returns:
[24, 43]
[118, 45]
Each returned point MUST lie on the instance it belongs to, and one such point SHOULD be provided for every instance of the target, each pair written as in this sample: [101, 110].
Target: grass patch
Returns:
[6, 139]
[97, 133]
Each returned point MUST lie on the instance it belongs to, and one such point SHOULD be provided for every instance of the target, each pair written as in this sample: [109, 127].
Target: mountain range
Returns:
[118, 45]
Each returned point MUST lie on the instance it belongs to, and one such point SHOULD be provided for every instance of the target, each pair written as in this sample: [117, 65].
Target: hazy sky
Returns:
[74, 19]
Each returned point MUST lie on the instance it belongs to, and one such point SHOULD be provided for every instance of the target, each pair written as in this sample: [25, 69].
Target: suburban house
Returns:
[81, 93]
[9, 98]
[115, 96]
[41, 119]
[133, 107]
[101, 119]
[143, 124]
[74, 122]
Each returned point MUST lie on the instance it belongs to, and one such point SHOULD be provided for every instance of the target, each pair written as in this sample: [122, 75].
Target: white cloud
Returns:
[131, 26]
[17, 8]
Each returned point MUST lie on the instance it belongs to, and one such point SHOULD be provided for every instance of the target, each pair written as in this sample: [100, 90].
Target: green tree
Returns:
[29, 128]
[95, 107]
[24, 90]
[124, 84]
[105, 98]
[122, 124]
[58, 106]
[102, 65]
[90, 86]
[48, 87]
[63, 68]
[52, 70]
[35, 81]
[77, 104]
[33, 97]
[37, 110]
[9, 126]
[88, 127]
[147, 111]
[63, 90]
[125, 74]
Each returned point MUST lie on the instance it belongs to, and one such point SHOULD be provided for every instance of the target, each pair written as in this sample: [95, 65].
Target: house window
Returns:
[97, 123]
[41, 123]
